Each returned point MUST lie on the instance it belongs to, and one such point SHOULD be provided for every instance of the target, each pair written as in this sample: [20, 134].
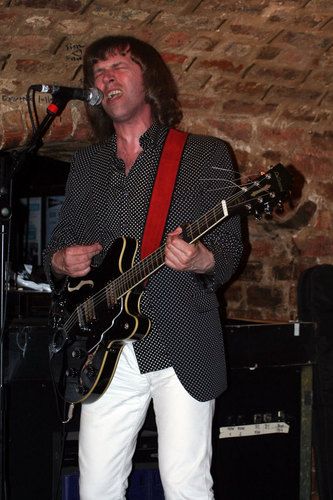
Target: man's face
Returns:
[121, 81]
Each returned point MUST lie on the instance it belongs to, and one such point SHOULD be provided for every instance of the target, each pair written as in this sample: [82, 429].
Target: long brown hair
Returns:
[160, 86]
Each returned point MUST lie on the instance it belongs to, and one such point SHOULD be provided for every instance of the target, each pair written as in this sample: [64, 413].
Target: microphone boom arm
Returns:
[54, 109]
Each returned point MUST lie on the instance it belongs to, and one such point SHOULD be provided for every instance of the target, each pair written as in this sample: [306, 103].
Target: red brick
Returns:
[309, 22]
[233, 8]
[297, 58]
[176, 39]
[195, 83]
[248, 108]
[7, 16]
[325, 61]
[234, 130]
[253, 89]
[250, 31]
[195, 102]
[70, 5]
[253, 272]
[305, 41]
[276, 74]
[243, 158]
[264, 296]
[305, 113]
[204, 43]
[274, 156]
[322, 5]
[324, 220]
[280, 16]
[236, 50]
[284, 272]
[73, 27]
[323, 140]
[29, 42]
[278, 92]
[300, 20]
[322, 77]
[27, 65]
[268, 52]
[169, 57]
[328, 99]
[250, 89]
[14, 131]
[221, 64]
[261, 249]
[314, 246]
[278, 136]
[328, 28]
[325, 190]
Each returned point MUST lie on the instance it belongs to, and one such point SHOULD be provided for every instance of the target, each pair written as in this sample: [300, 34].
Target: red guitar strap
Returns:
[162, 191]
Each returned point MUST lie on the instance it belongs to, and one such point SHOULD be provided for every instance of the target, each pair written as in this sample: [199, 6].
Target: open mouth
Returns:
[114, 93]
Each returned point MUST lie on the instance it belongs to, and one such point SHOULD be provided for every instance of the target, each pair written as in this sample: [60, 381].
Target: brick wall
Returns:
[257, 73]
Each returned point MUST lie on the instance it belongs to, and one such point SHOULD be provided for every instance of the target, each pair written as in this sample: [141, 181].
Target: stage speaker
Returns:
[262, 424]
[31, 414]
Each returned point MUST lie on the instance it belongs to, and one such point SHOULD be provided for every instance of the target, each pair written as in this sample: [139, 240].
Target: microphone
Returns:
[92, 96]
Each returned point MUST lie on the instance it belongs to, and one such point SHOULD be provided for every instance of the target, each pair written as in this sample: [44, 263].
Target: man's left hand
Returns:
[183, 256]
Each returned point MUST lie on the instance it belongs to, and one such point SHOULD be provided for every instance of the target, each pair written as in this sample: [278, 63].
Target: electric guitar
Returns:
[98, 314]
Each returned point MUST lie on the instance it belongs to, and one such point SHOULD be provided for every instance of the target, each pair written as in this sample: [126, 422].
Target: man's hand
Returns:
[182, 256]
[74, 261]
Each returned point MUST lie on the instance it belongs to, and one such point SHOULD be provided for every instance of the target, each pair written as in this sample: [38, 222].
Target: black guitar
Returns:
[97, 314]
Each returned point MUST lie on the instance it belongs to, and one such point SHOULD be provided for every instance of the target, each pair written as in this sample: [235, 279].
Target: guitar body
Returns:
[88, 334]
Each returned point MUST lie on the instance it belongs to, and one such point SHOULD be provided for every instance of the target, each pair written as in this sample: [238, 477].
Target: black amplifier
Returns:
[262, 424]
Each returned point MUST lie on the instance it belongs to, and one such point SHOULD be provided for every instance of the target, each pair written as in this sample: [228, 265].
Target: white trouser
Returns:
[109, 429]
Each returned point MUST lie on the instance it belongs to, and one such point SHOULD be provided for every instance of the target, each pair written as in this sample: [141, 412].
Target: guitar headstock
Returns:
[267, 191]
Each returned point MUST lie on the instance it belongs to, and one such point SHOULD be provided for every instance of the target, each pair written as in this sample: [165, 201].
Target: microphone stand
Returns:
[11, 162]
